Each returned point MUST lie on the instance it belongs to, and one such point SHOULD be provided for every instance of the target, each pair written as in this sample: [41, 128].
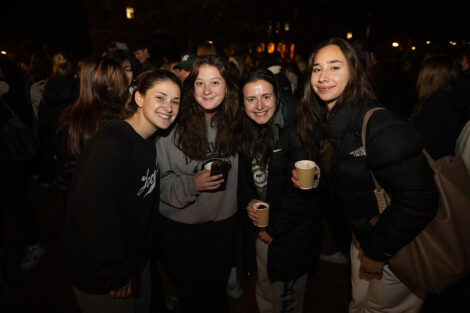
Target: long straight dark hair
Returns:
[191, 130]
[309, 112]
[257, 141]
[103, 93]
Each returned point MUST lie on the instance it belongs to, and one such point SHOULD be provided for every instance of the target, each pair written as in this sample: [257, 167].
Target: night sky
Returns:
[64, 23]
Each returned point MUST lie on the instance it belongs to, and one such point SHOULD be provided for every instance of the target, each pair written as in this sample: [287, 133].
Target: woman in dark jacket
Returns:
[330, 117]
[288, 248]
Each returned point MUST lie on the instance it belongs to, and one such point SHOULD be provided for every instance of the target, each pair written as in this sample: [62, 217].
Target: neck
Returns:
[136, 123]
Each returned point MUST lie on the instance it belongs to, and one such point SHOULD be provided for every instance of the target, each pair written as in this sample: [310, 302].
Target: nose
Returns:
[167, 106]
[259, 105]
[206, 90]
[322, 76]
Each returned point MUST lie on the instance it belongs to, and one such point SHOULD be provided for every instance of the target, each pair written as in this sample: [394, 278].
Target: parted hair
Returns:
[191, 129]
[146, 81]
[103, 93]
[309, 114]
[257, 140]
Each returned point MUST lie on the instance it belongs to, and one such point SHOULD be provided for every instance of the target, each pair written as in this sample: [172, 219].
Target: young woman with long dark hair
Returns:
[330, 121]
[198, 220]
[287, 250]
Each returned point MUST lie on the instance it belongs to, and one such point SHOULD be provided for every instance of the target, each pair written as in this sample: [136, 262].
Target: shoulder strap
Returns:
[363, 137]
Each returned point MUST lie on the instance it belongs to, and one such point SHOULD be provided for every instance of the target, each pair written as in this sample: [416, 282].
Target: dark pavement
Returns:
[46, 287]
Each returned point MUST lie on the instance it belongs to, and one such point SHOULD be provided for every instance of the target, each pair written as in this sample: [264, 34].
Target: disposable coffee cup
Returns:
[305, 170]
[219, 167]
[262, 209]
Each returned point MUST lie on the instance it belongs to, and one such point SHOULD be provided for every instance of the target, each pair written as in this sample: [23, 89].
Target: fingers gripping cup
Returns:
[262, 209]
[219, 167]
[306, 171]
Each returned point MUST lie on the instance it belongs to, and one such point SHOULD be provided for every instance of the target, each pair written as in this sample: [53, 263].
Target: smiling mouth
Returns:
[325, 89]
[261, 114]
[164, 116]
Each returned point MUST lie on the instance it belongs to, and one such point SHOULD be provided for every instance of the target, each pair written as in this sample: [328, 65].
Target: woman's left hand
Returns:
[265, 237]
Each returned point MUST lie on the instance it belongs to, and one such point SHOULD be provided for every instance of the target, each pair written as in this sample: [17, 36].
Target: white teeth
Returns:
[165, 116]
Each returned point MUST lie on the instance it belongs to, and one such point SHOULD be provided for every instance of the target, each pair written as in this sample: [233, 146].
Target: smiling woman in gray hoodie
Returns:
[198, 220]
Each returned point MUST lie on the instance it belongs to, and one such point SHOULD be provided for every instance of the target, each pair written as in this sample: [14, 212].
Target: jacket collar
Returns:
[339, 124]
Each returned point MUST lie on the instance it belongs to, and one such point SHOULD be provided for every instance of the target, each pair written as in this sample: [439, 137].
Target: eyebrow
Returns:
[330, 62]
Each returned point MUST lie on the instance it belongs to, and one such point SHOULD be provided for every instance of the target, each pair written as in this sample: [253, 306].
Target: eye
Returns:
[267, 97]
[175, 102]
[315, 70]
[335, 68]
[159, 98]
[198, 84]
[250, 99]
[215, 83]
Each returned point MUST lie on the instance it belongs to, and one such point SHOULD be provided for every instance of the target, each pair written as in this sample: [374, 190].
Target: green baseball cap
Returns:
[186, 62]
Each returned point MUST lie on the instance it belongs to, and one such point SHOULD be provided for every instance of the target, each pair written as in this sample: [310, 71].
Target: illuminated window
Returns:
[3, 52]
[413, 48]
[349, 35]
[130, 13]
[395, 44]
[428, 42]
[286, 26]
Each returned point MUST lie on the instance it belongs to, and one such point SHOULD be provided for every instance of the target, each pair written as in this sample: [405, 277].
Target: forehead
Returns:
[329, 53]
[208, 71]
[258, 87]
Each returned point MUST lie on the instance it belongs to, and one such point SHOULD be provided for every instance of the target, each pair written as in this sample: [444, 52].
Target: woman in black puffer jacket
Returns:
[288, 248]
[330, 117]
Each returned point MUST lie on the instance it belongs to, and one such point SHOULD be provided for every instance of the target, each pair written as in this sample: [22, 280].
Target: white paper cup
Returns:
[305, 170]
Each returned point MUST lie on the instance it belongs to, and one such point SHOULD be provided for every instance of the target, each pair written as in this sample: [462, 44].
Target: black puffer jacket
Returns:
[295, 217]
[394, 153]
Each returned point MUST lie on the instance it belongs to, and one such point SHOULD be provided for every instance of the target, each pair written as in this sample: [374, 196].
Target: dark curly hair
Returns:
[191, 130]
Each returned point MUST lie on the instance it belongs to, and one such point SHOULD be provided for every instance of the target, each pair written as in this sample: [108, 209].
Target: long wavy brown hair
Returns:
[103, 93]
[191, 130]
[309, 112]
[258, 141]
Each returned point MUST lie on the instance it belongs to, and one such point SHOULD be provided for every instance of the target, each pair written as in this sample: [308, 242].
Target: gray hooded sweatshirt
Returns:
[179, 199]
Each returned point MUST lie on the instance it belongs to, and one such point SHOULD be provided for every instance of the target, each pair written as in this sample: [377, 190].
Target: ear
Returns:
[139, 99]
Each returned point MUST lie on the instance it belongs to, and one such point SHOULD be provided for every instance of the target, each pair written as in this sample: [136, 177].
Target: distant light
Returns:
[413, 48]
[453, 43]
[428, 42]
[291, 51]
[211, 42]
[286, 26]
[3, 52]
[129, 13]
[271, 47]
[395, 44]
[349, 35]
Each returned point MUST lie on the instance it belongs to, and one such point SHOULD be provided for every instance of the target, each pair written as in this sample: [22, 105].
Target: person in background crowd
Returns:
[330, 118]
[60, 92]
[128, 63]
[142, 53]
[198, 221]
[185, 65]
[40, 70]
[287, 250]
[439, 115]
[14, 197]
